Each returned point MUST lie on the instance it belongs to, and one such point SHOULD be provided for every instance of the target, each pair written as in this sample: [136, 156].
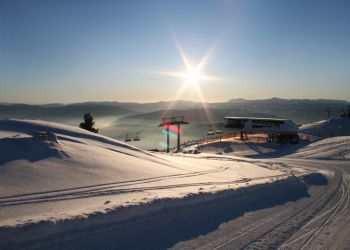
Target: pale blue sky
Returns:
[81, 50]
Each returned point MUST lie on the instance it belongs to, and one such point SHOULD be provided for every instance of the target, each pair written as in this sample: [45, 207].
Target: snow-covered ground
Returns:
[329, 140]
[82, 174]
[334, 148]
[332, 140]
[328, 128]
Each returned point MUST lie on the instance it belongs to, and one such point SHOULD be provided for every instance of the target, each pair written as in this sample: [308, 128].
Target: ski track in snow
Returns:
[83, 166]
[196, 180]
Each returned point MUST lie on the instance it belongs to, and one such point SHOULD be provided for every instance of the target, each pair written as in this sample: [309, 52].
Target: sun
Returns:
[193, 74]
[192, 77]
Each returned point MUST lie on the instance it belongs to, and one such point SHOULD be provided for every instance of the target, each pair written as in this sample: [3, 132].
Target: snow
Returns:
[335, 148]
[53, 172]
[328, 128]
[330, 140]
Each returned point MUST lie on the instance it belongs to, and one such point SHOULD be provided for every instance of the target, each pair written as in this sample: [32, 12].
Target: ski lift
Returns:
[210, 132]
[127, 138]
[137, 137]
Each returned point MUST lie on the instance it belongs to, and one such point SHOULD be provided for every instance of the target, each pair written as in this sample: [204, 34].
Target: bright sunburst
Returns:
[192, 76]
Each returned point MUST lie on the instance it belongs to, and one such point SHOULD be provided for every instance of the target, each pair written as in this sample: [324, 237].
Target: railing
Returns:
[258, 138]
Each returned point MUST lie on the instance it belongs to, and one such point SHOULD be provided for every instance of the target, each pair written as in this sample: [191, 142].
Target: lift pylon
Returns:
[172, 121]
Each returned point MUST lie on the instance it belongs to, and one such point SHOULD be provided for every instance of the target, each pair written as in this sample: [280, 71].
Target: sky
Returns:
[80, 50]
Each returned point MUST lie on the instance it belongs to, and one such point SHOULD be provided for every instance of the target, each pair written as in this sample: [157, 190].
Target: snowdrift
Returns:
[31, 164]
[328, 128]
[331, 140]
[335, 148]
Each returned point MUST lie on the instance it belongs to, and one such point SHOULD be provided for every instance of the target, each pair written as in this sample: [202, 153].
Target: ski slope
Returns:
[335, 148]
[332, 140]
[77, 174]
[329, 140]
[328, 128]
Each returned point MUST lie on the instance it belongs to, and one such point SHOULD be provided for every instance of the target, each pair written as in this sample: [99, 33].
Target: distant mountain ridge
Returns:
[57, 112]
[280, 100]
[198, 115]
[298, 110]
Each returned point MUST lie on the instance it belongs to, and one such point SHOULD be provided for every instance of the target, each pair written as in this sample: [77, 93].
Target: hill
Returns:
[50, 171]
[299, 110]
[58, 181]
[335, 148]
[61, 112]
[328, 128]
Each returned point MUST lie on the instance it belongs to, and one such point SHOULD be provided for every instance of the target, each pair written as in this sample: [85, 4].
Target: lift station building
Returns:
[281, 130]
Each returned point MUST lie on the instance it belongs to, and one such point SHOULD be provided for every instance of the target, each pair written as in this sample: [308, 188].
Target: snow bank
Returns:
[328, 128]
[245, 199]
[78, 158]
[335, 148]
[330, 140]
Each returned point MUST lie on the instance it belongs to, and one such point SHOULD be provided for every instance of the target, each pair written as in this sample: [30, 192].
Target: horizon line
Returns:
[166, 101]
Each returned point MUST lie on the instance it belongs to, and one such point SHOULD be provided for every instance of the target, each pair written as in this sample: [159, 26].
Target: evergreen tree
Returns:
[88, 123]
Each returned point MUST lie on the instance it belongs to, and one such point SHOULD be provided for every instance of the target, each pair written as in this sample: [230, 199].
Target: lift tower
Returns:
[172, 121]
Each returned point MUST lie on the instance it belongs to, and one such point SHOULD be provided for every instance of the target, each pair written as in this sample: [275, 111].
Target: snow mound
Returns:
[328, 128]
[46, 136]
[335, 148]
[56, 156]
[335, 144]
[31, 148]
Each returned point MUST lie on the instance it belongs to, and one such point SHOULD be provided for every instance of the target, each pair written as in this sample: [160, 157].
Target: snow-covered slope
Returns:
[328, 128]
[50, 171]
[79, 158]
[335, 148]
[335, 143]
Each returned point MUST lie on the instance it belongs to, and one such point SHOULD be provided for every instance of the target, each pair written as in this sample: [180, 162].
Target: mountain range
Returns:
[298, 110]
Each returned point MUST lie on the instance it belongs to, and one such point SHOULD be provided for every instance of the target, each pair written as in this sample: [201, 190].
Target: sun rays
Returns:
[192, 76]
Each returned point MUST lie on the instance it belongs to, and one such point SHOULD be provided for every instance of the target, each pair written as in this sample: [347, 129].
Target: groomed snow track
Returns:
[168, 218]
[318, 222]
[273, 232]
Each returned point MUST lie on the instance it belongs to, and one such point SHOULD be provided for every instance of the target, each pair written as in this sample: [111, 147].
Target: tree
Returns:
[89, 123]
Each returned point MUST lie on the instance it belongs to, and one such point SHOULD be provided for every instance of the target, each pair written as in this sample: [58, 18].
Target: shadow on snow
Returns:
[173, 224]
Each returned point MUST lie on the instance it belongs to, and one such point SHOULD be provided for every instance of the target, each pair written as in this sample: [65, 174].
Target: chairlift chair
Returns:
[210, 132]
[127, 138]
[137, 137]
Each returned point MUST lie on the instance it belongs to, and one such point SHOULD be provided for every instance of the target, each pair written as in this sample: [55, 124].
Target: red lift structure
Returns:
[172, 121]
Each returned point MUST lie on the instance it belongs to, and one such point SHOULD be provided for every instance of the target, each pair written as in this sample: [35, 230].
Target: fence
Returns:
[249, 137]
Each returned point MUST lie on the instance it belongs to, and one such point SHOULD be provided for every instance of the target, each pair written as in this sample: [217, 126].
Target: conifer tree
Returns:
[88, 123]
